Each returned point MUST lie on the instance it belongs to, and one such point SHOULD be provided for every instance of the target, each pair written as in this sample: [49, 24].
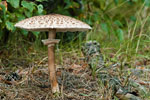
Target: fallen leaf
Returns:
[140, 67]
[3, 3]
[58, 73]
[75, 68]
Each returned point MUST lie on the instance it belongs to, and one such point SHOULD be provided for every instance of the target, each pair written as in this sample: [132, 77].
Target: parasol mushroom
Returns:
[52, 23]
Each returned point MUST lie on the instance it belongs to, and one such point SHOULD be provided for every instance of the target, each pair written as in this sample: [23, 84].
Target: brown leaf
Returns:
[58, 73]
[3, 3]
[75, 68]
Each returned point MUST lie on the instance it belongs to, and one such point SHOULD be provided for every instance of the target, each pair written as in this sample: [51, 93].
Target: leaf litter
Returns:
[25, 79]
[75, 80]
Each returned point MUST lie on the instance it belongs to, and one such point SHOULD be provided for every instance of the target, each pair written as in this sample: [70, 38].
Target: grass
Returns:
[32, 59]
[32, 62]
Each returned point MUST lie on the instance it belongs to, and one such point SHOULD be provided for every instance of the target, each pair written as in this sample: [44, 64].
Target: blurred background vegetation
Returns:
[121, 24]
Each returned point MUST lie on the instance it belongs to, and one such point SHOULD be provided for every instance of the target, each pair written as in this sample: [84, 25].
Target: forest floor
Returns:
[25, 76]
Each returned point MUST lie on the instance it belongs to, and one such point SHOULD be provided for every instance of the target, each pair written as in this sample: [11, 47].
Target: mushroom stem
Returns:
[51, 63]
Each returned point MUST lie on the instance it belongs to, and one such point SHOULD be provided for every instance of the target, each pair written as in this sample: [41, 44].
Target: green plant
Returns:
[21, 9]
[17, 10]
[113, 16]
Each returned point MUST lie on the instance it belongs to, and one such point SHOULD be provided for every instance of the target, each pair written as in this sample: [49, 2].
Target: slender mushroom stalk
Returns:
[52, 23]
[51, 62]
[50, 42]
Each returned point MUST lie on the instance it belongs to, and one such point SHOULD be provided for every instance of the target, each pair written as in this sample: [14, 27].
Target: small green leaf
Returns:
[24, 32]
[120, 34]
[118, 23]
[20, 16]
[135, 0]
[27, 13]
[103, 4]
[36, 34]
[68, 4]
[116, 1]
[133, 18]
[147, 2]
[9, 25]
[28, 5]
[96, 16]
[115, 98]
[86, 95]
[41, 0]
[14, 3]
[40, 8]
[0, 21]
[104, 26]
[3, 8]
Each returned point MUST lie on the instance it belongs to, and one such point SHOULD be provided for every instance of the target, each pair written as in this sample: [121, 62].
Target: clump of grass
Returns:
[129, 52]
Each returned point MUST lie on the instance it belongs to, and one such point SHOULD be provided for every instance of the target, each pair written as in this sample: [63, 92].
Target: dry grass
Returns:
[74, 77]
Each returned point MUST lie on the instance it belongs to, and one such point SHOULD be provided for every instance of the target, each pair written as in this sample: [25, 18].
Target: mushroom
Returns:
[52, 23]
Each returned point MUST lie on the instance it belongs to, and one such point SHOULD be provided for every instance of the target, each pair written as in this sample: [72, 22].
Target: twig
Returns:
[137, 70]
[143, 82]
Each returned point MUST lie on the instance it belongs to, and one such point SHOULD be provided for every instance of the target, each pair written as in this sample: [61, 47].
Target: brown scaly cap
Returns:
[53, 21]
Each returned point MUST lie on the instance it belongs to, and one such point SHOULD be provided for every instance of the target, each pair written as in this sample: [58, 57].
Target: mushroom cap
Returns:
[53, 21]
